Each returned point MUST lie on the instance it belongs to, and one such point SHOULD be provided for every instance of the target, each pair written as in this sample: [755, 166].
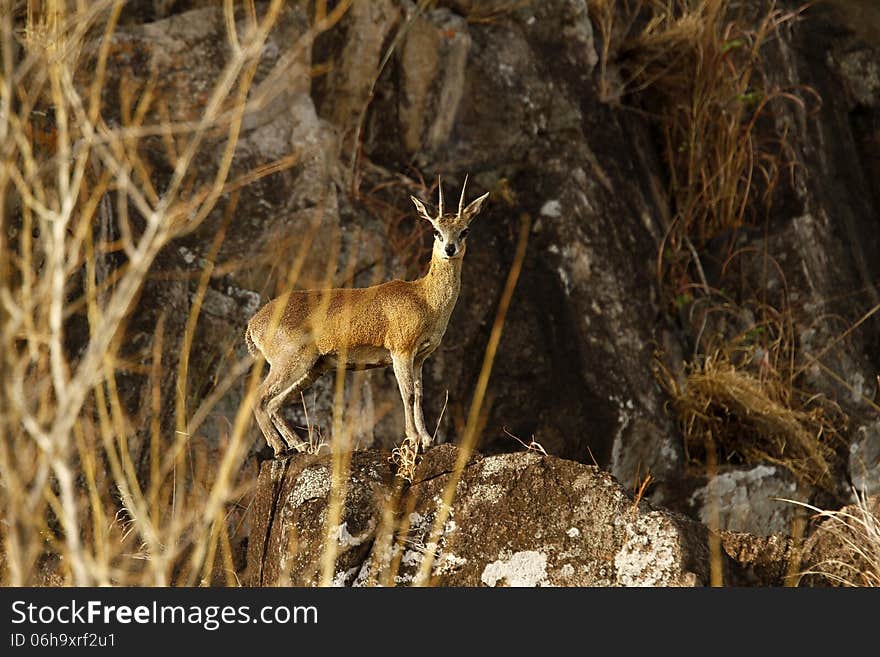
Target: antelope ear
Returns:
[473, 208]
[420, 207]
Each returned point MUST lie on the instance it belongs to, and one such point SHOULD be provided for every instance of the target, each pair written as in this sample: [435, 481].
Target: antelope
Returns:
[398, 323]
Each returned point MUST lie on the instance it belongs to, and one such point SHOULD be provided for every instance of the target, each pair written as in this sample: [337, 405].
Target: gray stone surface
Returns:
[864, 459]
[749, 500]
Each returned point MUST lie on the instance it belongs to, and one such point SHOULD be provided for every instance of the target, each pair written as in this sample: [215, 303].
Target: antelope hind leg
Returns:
[273, 437]
[299, 377]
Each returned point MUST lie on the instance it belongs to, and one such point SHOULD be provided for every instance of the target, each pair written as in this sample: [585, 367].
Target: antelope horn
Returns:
[461, 200]
[440, 188]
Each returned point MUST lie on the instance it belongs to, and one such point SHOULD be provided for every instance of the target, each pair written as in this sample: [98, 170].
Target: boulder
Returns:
[291, 504]
[751, 500]
[844, 550]
[517, 519]
[763, 560]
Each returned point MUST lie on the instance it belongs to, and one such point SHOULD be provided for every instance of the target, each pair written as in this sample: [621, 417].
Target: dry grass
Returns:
[495, 11]
[752, 418]
[532, 446]
[406, 458]
[695, 68]
[79, 507]
[854, 534]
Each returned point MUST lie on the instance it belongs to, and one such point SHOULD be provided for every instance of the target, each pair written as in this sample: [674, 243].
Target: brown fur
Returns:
[398, 323]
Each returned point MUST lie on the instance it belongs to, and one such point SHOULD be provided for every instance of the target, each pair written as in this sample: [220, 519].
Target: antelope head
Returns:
[450, 228]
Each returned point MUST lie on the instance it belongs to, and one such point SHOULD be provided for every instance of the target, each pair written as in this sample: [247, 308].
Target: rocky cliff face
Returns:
[509, 93]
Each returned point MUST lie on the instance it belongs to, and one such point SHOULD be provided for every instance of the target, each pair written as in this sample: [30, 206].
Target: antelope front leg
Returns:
[403, 370]
[424, 435]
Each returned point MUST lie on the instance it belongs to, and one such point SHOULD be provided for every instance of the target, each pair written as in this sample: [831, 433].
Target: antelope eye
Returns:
[463, 233]
[437, 235]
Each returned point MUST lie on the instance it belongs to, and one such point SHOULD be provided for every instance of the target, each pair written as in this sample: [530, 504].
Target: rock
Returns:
[433, 58]
[358, 48]
[864, 459]
[288, 538]
[845, 550]
[517, 520]
[824, 226]
[525, 520]
[861, 74]
[748, 500]
[765, 560]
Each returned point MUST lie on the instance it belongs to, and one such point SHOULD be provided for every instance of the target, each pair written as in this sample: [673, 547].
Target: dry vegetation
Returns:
[698, 66]
[77, 508]
[695, 68]
[724, 406]
[850, 550]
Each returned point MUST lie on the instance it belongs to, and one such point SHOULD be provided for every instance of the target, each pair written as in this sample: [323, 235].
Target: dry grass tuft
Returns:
[532, 446]
[406, 458]
[752, 418]
[495, 11]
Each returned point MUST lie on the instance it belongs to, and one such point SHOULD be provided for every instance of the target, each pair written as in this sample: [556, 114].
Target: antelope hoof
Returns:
[290, 450]
[282, 449]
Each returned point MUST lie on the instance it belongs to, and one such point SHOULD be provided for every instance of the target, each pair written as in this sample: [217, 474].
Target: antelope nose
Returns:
[450, 249]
